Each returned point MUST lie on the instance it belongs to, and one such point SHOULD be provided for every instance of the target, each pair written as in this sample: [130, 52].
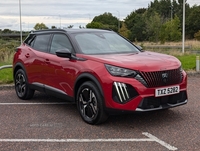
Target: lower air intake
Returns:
[122, 92]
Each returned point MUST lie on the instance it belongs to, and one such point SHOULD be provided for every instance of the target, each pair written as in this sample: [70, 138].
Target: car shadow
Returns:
[130, 119]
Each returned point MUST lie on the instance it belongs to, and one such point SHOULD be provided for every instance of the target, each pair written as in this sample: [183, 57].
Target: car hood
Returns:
[142, 61]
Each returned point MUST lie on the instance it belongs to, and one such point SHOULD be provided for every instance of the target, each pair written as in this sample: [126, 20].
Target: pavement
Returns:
[6, 86]
[45, 123]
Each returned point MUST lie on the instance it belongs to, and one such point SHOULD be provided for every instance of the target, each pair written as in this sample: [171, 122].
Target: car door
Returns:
[35, 56]
[57, 78]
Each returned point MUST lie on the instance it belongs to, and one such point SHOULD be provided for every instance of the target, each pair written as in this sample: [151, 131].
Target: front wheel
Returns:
[90, 104]
[22, 88]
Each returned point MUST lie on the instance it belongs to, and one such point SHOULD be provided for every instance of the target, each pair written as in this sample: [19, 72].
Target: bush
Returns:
[197, 35]
[7, 49]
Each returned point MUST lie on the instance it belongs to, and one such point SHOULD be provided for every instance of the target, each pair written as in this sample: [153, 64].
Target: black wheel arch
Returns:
[86, 77]
[18, 66]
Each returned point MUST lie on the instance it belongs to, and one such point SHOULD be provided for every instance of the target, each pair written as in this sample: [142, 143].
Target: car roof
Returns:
[69, 30]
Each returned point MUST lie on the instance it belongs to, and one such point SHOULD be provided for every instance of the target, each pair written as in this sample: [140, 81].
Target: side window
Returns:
[41, 42]
[60, 41]
[30, 40]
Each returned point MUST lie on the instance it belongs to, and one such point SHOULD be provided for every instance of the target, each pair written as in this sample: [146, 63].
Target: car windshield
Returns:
[103, 43]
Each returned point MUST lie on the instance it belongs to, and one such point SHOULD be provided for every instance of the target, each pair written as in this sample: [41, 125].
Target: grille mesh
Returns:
[156, 79]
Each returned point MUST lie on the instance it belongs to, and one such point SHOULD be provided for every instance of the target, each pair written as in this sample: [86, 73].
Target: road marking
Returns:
[150, 138]
[75, 140]
[168, 146]
[46, 103]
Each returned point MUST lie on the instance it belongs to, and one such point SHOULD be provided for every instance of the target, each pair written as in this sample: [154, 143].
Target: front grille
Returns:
[162, 78]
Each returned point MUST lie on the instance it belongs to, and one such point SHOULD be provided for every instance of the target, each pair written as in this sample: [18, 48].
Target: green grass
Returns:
[7, 50]
[188, 61]
[6, 75]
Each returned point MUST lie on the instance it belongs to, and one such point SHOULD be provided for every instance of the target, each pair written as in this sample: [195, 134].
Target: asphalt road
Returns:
[45, 123]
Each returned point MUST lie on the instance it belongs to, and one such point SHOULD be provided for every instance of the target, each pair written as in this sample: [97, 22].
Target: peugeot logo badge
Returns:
[164, 77]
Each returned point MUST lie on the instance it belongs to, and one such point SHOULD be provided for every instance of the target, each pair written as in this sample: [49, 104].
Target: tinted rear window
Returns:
[41, 42]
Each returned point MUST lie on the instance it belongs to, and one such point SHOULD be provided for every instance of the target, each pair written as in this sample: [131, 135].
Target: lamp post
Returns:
[20, 21]
[183, 30]
[171, 7]
[118, 20]
[60, 21]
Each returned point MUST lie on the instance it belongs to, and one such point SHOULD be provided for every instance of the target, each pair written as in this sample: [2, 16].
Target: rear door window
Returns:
[41, 42]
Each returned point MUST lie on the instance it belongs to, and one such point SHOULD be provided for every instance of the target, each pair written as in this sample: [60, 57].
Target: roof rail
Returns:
[35, 31]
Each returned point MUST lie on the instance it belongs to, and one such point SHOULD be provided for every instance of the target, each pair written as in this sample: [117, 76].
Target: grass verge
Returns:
[188, 61]
[6, 75]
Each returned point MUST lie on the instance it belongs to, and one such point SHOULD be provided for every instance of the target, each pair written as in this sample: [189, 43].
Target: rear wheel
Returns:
[22, 88]
[90, 104]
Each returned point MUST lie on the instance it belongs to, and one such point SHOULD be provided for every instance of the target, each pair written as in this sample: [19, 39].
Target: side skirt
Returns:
[51, 91]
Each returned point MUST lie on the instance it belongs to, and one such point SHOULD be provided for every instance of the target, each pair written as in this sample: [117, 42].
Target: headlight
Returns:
[122, 72]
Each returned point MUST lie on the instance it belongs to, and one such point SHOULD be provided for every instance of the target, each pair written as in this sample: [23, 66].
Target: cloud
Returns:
[51, 12]
[53, 7]
[8, 23]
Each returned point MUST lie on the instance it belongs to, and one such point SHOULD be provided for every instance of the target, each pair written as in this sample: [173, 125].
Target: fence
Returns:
[6, 66]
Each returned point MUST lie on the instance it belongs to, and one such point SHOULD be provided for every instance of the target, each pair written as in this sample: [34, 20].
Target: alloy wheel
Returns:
[88, 104]
[20, 84]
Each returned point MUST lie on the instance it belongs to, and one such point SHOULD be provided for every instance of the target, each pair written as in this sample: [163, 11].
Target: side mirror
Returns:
[64, 53]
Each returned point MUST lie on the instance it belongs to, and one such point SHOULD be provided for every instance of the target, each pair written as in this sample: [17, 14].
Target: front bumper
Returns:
[131, 95]
[153, 103]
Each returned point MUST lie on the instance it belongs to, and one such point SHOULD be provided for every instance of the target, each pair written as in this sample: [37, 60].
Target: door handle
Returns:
[27, 55]
[47, 61]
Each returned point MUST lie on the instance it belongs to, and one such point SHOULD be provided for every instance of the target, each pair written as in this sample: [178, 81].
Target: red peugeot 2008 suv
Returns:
[99, 70]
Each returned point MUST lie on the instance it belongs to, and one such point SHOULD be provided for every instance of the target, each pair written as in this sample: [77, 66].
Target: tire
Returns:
[90, 104]
[22, 88]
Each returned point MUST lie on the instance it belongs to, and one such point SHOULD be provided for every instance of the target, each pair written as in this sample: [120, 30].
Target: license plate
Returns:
[167, 91]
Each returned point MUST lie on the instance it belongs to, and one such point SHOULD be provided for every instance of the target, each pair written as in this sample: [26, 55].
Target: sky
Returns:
[62, 13]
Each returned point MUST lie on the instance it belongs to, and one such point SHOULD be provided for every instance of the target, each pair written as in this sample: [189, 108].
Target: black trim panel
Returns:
[52, 91]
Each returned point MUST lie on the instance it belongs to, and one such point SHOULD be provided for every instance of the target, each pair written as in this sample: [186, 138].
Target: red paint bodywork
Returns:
[61, 73]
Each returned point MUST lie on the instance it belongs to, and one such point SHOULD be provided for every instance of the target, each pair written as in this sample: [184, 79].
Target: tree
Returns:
[197, 35]
[40, 26]
[106, 18]
[152, 22]
[135, 22]
[95, 25]
[153, 27]
[70, 26]
[53, 27]
[106, 21]
[6, 31]
[81, 27]
[193, 21]
[178, 11]
[161, 21]
[171, 30]
[124, 31]
[162, 7]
